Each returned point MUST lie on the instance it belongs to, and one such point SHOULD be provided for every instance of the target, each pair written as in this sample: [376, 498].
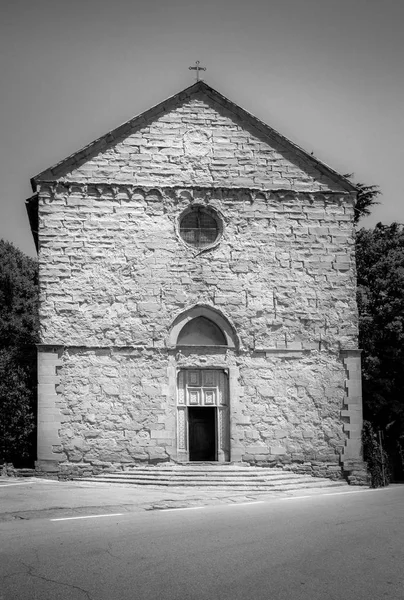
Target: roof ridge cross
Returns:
[197, 68]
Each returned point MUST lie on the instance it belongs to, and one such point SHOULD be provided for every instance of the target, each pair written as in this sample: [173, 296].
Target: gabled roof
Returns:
[83, 155]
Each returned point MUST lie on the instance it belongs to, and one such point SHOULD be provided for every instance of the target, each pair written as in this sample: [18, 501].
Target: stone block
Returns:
[93, 433]
[280, 433]
[257, 449]
[162, 435]
[353, 427]
[353, 400]
[355, 416]
[352, 450]
[276, 450]
[46, 389]
[149, 307]
[157, 454]
[47, 465]
[110, 389]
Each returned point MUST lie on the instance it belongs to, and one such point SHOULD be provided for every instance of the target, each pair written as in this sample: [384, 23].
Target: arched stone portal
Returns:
[201, 331]
[202, 392]
[211, 314]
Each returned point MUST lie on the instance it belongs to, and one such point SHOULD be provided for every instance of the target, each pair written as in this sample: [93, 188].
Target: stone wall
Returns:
[116, 405]
[113, 270]
[115, 274]
[118, 408]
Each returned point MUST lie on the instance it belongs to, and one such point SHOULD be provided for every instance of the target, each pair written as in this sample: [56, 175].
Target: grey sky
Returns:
[327, 74]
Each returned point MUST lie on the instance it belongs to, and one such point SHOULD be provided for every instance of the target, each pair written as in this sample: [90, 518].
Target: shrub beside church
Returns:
[18, 335]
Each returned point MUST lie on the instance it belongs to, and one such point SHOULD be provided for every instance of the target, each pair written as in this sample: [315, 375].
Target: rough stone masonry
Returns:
[118, 284]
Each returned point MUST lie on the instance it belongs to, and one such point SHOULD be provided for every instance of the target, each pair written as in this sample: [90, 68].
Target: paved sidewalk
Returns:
[32, 498]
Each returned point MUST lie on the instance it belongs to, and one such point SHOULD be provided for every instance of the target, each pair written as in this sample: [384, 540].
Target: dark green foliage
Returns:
[366, 198]
[380, 265]
[16, 410]
[18, 297]
[376, 457]
[18, 335]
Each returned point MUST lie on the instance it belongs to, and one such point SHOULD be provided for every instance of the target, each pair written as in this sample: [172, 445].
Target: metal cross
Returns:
[197, 68]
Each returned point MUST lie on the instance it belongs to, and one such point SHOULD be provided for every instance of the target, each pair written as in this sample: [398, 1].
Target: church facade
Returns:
[197, 298]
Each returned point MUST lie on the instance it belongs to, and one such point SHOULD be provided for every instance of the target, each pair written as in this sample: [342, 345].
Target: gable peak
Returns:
[219, 103]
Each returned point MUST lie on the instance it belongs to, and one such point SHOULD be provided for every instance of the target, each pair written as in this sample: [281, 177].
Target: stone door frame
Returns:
[220, 401]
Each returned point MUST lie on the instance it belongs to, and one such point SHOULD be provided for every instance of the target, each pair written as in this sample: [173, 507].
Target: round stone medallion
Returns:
[196, 143]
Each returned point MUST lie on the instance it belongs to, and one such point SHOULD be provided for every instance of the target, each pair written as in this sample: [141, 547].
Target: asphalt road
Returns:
[334, 547]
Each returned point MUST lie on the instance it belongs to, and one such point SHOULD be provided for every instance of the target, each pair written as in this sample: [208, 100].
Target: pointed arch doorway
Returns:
[203, 398]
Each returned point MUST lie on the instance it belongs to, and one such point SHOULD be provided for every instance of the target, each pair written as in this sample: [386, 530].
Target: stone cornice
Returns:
[351, 352]
[120, 190]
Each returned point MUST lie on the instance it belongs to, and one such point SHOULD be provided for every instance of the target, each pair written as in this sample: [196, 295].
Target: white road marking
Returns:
[269, 500]
[28, 482]
[87, 517]
[184, 508]
[246, 503]
[332, 494]
[10, 484]
[212, 506]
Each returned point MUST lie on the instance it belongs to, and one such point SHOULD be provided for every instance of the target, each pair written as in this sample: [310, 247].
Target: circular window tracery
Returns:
[199, 227]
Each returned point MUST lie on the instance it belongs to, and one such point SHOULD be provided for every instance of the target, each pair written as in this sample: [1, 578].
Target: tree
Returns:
[366, 198]
[18, 298]
[18, 335]
[16, 410]
[380, 266]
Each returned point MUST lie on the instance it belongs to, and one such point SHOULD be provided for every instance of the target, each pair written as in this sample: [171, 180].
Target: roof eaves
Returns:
[31, 204]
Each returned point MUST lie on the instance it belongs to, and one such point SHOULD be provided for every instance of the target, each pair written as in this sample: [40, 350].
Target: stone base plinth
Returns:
[355, 472]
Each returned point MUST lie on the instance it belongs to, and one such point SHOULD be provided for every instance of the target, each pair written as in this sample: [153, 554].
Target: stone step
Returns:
[243, 486]
[233, 474]
[206, 478]
[221, 475]
[201, 471]
[218, 471]
[234, 478]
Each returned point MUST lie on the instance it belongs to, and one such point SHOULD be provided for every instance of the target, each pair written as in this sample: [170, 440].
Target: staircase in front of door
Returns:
[214, 476]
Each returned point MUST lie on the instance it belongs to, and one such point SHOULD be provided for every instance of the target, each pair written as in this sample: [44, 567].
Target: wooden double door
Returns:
[203, 415]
